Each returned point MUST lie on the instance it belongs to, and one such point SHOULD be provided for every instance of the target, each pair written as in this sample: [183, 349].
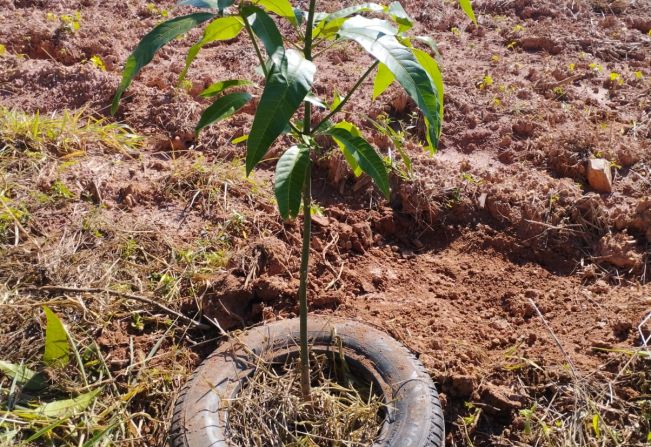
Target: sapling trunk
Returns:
[307, 226]
[302, 290]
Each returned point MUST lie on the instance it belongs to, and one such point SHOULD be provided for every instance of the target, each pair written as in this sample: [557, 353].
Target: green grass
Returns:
[62, 133]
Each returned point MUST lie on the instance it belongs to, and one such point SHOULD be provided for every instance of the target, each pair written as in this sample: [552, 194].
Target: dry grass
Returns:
[270, 412]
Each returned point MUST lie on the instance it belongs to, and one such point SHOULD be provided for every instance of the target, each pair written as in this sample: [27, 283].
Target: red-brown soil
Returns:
[494, 261]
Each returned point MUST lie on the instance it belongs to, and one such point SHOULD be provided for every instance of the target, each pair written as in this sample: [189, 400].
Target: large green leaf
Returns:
[60, 408]
[467, 8]
[24, 377]
[283, 8]
[223, 28]
[383, 79]
[152, 42]
[57, 348]
[373, 36]
[290, 177]
[218, 87]
[365, 156]
[432, 68]
[290, 79]
[265, 28]
[212, 4]
[222, 108]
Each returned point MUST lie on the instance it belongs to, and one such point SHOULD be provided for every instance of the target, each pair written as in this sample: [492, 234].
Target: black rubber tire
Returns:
[415, 417]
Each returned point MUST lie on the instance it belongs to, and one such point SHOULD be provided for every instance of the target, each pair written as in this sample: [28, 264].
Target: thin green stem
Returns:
[347, 97]
[307, 227]
[263, 64]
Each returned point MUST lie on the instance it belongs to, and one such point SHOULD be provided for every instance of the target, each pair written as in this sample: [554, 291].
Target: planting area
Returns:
[501, 261]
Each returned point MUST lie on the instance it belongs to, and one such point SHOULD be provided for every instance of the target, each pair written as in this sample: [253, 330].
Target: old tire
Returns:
[415, 418]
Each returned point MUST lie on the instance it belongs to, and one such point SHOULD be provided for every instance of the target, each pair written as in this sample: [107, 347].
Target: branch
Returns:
[345, 100]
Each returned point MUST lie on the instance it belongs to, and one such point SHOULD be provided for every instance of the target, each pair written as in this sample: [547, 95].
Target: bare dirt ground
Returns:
[520, 287]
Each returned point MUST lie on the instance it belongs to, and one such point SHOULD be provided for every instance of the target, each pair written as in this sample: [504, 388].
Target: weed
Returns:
[559, 92]
[616, 78]
[98, 62]
[518, 28]
[156, 11]
[60, 190]
[63, 133]
[486, 82]
[3, 50]
[129, 249]
[68, 23]
[597, 68]
[11, 215]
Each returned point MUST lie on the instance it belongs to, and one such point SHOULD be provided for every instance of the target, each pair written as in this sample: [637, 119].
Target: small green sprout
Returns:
[98, 62]
[59, 189]
[559, 92]
[155, 11]
[70, 22]
[518, 28]
[597, 68]
[616, 78]
[486, 82]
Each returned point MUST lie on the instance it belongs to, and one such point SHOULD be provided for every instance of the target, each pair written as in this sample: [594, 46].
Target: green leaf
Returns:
[152, 42]
[241, 139]
[595, 426]
[60, 408]
[220, 5]
[57, 348]
[315, 100]
[48, 428]
[222, 108]
[383, 79]
[398, 13]
[402, 63]
[280, 7]
[290, 79]
[427, 40]
[350, 10]
[336, 100]
[328, 26]
[25, 377]
[432, 68]
[290, 177]
[467, 8]
[20, 373]
[223, 28]
[218, 87]
[348, 155]
[365, 156]
[265, 28]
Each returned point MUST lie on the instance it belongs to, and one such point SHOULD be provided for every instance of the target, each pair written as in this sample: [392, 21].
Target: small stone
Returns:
[599, 176]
